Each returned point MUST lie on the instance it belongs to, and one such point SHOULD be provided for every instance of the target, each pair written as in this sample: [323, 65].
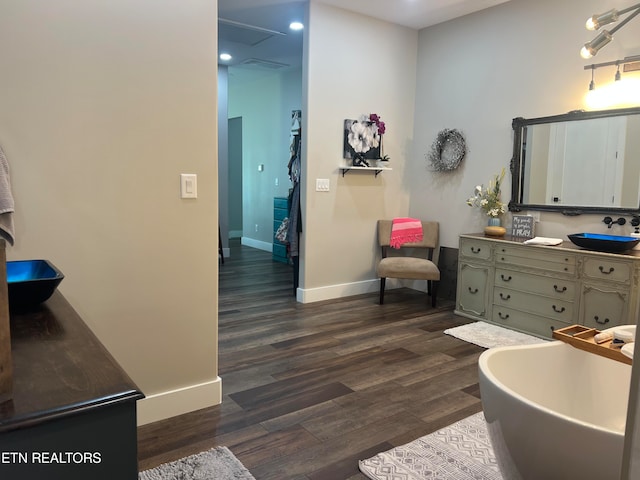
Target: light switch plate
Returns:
[322, 184]
[188, 185]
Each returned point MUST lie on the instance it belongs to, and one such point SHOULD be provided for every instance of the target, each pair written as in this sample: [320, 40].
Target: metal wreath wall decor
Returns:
[447, 151]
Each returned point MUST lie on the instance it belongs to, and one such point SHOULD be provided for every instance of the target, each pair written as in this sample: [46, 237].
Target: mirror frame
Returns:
[517, 172]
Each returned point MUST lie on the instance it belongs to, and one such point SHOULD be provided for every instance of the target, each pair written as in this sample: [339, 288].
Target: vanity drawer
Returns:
[526, 322]
[479, 249]
[535, 304]
[603, 268]
[552, 287]
[532, 257]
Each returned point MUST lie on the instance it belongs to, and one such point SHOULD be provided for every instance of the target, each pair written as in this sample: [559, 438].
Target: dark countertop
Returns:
[59, 367]
[565, 245]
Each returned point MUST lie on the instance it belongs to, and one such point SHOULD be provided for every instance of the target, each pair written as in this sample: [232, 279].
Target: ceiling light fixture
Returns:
[296, 26]
[225, 57]
[605, 36]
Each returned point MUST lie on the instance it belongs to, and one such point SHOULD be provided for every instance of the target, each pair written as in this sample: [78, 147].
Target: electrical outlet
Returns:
[256, 227]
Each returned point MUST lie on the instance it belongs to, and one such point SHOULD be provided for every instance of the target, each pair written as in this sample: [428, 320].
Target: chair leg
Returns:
[434, 292]
[382, 282]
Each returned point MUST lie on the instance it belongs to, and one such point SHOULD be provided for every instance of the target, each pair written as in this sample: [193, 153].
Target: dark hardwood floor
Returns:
[310, 389]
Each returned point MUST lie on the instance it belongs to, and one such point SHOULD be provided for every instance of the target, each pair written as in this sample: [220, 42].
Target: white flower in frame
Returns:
[360, 137]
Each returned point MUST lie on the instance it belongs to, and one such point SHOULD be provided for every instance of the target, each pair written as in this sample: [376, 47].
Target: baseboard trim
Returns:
[182, 400]
[259, 244]
[330, 292]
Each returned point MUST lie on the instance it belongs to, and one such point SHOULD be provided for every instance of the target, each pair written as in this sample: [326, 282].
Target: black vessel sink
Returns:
[604, 243]
[31, 281]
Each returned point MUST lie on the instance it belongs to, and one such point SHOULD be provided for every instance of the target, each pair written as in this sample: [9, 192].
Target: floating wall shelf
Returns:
[377, 170]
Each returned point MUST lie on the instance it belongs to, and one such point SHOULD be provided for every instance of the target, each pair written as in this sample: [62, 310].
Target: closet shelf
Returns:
[377, 170]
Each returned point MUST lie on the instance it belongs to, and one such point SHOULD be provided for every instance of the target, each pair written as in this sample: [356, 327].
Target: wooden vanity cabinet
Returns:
[607, 296]
[72, 413]
[536, 289]
[475, 277]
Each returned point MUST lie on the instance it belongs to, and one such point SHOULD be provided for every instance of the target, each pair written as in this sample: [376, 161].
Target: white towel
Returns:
[543, 241]
[6, 201]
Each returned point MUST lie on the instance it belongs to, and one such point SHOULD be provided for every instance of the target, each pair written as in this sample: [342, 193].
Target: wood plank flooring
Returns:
[310, 389]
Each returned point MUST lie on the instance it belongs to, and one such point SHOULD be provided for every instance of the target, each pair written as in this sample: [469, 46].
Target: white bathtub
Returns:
[554, 411]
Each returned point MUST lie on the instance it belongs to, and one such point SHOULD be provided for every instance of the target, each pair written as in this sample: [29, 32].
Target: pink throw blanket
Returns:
[405, 230]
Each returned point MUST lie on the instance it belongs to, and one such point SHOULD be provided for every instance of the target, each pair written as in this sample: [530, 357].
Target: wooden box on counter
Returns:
[6, 368]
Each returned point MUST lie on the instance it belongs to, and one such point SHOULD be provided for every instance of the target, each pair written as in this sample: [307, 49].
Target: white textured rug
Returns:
[215, 464]
[461, 451]
[488, 335]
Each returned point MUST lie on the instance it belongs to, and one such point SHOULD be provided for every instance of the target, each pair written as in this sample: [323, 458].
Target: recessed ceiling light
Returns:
[296, 26]
[225, 57]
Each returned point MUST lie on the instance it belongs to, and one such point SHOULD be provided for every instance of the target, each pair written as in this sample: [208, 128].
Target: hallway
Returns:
[309, 389]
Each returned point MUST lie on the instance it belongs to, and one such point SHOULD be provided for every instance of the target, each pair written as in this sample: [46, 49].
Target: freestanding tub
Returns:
[554, 411]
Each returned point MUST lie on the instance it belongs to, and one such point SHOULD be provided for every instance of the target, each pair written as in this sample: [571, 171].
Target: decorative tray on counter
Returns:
[581, 337]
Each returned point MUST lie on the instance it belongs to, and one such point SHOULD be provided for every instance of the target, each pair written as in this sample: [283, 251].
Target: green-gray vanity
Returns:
[536, 289]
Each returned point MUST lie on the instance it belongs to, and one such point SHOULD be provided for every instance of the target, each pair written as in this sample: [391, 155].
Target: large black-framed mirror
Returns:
[578, 162]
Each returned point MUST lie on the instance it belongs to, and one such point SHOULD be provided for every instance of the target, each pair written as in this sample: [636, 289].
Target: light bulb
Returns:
[597, 21]
[585, 53]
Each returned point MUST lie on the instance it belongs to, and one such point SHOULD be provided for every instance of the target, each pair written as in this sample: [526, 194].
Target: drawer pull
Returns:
[559, 290]
[505, 279]
[597, 319]
[503, 316]
[504, 297]
[558, 310]
[476, 250]
[601, 268]
[473, 290]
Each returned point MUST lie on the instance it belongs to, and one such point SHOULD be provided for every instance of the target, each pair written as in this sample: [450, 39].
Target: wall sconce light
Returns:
[619, 92]
[605, 36]
[630, 64]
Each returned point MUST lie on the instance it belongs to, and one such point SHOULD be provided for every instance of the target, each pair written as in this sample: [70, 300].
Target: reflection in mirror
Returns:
[577, 163]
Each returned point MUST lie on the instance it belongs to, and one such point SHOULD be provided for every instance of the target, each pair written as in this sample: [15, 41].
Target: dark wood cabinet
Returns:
[72, 414]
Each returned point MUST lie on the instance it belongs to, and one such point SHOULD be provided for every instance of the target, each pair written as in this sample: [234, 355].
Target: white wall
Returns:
[104, 104]
[355, 65]
[476, 74]
[264, 100]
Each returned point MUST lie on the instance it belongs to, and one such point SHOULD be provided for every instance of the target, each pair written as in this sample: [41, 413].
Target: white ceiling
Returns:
[252, 49]
[416, 14]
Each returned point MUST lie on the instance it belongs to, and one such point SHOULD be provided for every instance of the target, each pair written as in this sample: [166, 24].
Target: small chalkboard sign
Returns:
[522, 226]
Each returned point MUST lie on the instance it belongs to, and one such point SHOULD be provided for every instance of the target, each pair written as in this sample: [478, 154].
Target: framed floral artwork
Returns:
[363, 139]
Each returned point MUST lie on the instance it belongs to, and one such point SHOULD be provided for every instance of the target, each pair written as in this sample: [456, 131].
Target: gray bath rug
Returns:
[461, 451]
[215, 464]
[488, 335]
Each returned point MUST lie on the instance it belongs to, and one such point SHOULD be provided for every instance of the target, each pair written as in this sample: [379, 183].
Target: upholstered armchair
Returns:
[410, 267]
